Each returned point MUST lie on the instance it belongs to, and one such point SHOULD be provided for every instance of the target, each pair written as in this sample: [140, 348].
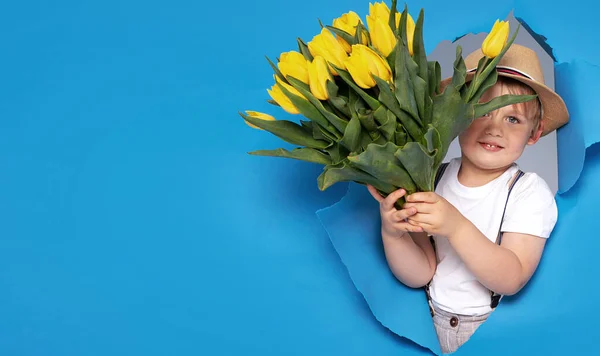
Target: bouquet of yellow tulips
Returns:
[376, 113]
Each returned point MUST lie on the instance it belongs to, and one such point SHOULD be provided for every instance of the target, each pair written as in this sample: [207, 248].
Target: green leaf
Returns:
[418, 163]
[433, 144]
[287, 131]
[386, 97]
[460, 70]
[419, 54]
[307, 126]
[421, 94]
[351, 139]
[435, 77]
[343, 34]
[372, 102]
[339, 102]
[431, 139]
[403, 84]
[276, 70]
[392, 18]
[303, 154]
[498, 102]
[273, 102]
[303, 48]
[389, 127]
[400, 136]
[402, 28]
[410, 125]
[366, 140]
[337, 153]
[379, 161]
[319, 133]
[450, 117]
[343, 172]
[307, 109]
[478, 79]
[428, 110]
[488, 83]
[360, 30]
[367, 120]
[337, 122]
[387, 122]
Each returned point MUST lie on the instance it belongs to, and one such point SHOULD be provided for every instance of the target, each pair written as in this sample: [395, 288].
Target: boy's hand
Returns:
[394, 222]
[434, 214]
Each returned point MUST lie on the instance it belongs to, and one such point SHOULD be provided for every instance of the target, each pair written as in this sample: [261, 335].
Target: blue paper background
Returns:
[134, 222]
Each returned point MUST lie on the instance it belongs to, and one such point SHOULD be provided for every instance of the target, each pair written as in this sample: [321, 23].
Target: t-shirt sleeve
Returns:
[532, 208]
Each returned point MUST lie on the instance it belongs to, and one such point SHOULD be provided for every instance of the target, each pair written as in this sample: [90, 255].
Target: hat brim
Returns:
[555, 113]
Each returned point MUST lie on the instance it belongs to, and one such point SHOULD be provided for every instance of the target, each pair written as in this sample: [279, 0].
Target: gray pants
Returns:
[453, 330]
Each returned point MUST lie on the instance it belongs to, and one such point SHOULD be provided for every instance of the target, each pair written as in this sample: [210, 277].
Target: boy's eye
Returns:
[513, 120]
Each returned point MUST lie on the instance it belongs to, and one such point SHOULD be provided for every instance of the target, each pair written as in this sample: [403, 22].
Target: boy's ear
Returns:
[535, 135]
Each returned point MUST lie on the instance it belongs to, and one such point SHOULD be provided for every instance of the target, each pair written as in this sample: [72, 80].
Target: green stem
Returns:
[475, 81]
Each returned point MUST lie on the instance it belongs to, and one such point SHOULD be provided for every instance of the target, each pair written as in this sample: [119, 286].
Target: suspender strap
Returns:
[494, 296]
[438, 176]
[440, 173]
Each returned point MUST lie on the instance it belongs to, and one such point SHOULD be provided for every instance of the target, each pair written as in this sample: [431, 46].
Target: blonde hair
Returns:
[532, 108]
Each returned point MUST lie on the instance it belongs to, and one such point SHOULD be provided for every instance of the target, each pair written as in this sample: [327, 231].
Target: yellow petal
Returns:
[377, 65]
[347, 22]
[258, 115]
[344, 44]
[382, 37]
[294, 64]
[358, 67]
[327, 46]
[280, 98]
[318, 72]
[496, 39]
[379, 9]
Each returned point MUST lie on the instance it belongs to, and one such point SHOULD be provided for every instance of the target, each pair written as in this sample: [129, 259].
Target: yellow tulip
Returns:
[382, 36]
[325, 45]
[363, 62]
[348, 22]
[319, 74]
[294, 64]
[258, 115]
[280, 98]
[378, 9]
[496, 39]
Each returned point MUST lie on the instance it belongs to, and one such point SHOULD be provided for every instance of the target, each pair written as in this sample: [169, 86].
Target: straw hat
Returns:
[523, 64]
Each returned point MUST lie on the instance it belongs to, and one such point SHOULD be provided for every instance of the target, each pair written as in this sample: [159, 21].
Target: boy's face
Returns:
[498, 139]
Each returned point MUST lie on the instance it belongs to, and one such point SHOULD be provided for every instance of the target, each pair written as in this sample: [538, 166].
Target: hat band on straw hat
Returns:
[507, 70]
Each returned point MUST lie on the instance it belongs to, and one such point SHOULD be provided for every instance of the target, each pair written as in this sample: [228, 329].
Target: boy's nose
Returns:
[493, 127]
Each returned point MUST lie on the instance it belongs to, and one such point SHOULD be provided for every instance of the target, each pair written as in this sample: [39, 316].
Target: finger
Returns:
[424, 197]
[421, 219]
[408, 227]
[421, 208]
[425, 227]
[390, 200]
[400, 215]
[375, 193]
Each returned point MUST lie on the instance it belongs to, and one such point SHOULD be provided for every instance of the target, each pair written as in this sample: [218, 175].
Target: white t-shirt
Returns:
[531, 210]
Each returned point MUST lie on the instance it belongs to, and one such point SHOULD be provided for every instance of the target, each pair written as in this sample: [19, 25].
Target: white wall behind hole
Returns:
[540, 158]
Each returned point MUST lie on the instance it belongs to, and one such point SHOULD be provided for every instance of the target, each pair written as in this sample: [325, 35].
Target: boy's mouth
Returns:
[491, 146]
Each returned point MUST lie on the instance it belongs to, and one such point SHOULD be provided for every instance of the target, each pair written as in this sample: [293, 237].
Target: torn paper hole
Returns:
[353, 224]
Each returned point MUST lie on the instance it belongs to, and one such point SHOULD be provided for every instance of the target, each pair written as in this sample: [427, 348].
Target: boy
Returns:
[488, 221]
